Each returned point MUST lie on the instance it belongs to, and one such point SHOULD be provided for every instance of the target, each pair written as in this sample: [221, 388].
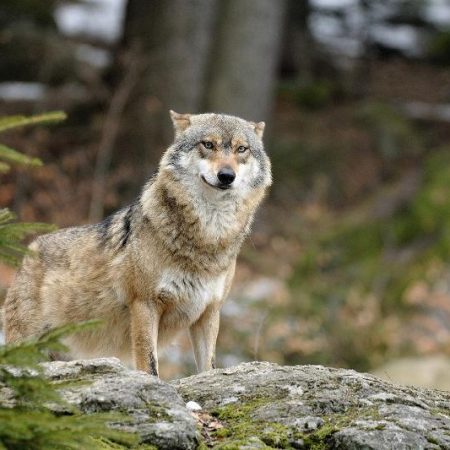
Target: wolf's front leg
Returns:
[144, 336]
[204, 336]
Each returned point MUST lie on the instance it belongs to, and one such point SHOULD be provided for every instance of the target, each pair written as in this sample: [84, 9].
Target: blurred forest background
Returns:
[349, 261]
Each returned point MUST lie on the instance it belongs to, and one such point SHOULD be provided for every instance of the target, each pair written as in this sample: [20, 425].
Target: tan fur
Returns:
[160, 265]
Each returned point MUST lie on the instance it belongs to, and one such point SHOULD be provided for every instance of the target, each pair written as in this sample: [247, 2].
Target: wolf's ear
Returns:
[180, 121]
[259, 128]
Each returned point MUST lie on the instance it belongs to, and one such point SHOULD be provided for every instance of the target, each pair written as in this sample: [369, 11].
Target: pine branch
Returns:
[11, 233]
[7, 123]
[13, 156]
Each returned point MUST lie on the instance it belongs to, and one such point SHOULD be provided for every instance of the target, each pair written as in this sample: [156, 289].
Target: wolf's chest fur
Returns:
[186, 295]
[199, 236]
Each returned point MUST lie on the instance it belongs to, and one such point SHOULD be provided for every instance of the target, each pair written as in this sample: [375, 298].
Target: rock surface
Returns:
[156, 411]
[317, 407]
[261, 405]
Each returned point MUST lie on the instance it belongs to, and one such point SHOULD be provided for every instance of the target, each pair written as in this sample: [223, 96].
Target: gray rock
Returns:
[356, 439]
[257, 406]
[155, 410]
[318, 407]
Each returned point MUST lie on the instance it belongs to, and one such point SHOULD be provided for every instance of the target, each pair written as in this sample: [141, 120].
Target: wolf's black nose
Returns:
[226, 175]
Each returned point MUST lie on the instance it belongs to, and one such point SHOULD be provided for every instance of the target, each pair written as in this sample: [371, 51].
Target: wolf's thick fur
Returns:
[164, 263]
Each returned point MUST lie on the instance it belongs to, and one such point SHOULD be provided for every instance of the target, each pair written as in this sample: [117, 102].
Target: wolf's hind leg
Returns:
[14, 326]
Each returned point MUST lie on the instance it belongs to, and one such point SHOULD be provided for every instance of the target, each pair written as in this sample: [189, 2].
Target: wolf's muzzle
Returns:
[226, 176]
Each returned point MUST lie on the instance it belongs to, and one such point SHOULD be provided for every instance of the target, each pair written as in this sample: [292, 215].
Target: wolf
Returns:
[160, 265]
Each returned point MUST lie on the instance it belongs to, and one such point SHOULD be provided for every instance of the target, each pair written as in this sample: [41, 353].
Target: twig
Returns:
[109, 135]
[258, 335]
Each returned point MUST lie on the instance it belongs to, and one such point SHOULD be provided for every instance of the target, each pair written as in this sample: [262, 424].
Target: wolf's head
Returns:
[218, 153]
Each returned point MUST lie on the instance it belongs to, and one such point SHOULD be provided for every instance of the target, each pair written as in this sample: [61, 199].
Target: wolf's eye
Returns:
[242, 149]
[208, 145]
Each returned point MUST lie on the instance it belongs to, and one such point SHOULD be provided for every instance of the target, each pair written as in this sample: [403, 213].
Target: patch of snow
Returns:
[438, 12]
[405, 38]
[17, 90]
[101, 19]
[330, 32]
[343, 35]
[335, 4]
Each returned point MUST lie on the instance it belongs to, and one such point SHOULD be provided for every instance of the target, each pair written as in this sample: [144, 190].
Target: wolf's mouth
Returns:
[222, 187]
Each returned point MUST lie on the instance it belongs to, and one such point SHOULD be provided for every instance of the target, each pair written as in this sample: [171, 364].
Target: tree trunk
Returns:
[298, 46]
[174, 38]
[245, 58]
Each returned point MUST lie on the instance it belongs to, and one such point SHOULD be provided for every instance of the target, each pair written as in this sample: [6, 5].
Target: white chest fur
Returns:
[216, 210]
[187, 295]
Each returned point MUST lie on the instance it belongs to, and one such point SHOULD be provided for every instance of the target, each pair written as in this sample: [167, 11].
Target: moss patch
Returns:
[319, 439]
[158, 413]
[240, 429]
[234, 412]
[106, 444]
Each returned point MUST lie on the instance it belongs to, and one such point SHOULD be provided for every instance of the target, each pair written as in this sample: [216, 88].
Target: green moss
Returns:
[311, 96]
[202, 446]
[276, 435]
[234, 412]
[241, 429]
[106, 444]
[438, 50]
[239, 444]
[157, 413]
[321, 438]
[318, 439]
[440, 412]
[223, 432]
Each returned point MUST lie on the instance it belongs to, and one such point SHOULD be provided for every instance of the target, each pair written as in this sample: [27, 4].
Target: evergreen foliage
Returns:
[9, 122]
[12, 233]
